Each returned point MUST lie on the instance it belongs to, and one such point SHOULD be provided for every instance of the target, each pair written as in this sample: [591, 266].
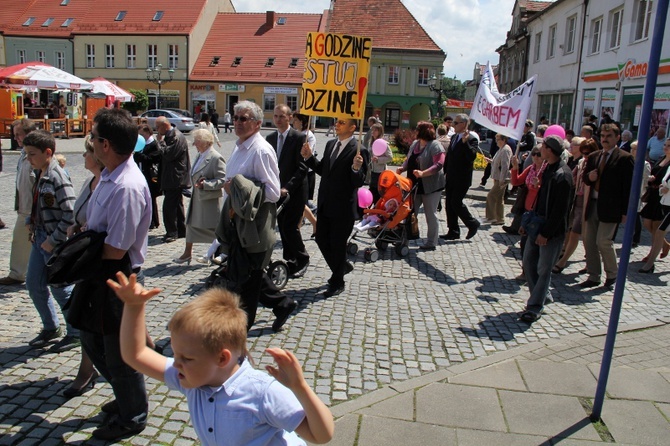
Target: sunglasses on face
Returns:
[242, 118]
[538, 154]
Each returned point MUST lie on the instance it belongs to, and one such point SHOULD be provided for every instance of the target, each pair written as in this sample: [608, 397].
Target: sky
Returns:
[468, 31]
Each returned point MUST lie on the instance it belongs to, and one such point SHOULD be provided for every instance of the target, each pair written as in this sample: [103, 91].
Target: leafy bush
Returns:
[403, 139]
[141, 101]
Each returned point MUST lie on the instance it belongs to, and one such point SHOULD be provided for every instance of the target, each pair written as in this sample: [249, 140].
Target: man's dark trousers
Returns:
[173, 213]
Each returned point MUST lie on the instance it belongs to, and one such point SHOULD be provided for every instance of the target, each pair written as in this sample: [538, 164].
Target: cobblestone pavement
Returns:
[399, 318]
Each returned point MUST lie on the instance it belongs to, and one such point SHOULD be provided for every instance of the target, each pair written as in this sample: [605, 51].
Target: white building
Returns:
[603, 73]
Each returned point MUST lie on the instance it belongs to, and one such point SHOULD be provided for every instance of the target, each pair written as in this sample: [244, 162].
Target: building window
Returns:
[152, 56]
[173, 56]
[109, 56]
[60, 60]
[269, 102]
[615, 28]
[131, 56]
[394, 75]
[596, 32]
[522, 58]
[571, 27]
[21, 56]
[538, 41]
[642, 19]
[41, 56]
[551, 43]
[90, 55]
[423, 76]
[292, 102]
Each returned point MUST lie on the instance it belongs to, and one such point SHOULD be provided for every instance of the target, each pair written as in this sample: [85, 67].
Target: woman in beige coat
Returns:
[207, 176]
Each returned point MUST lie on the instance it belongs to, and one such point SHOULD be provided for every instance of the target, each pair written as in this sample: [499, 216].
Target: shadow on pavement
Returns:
[502, 327]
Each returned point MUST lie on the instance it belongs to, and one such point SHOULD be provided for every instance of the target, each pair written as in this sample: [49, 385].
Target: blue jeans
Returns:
[127, 383]
[537, 264]
[36, 283]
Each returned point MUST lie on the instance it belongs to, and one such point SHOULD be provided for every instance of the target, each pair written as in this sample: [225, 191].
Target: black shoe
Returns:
[427, 248]
[348, 267]
[115, 430]
[300, 272]
[472, 230]
[510, 230]
[65, 344]
[450, 236]
[333, 290]
[589, 283]
[71, 392]
[530, 317]
[610, 282]
[111, 408]
[283, 315]
[44, 337]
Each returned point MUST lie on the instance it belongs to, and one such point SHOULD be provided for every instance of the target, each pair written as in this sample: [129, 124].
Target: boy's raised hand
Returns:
[288, 370]
[129, 291]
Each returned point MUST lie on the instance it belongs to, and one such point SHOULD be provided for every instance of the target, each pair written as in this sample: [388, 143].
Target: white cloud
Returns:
[469, 31]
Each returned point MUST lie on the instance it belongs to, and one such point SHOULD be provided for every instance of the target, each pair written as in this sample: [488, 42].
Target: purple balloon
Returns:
[555, 130]
[379, 147]
[364, 197]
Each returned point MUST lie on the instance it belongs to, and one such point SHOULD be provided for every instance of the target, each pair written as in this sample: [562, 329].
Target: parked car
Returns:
[181, 122]
[181, 111]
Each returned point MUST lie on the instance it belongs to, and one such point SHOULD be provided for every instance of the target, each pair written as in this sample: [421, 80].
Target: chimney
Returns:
[270, 19]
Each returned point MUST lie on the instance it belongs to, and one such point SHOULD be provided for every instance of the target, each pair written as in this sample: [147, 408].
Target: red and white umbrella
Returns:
[41, 75]
[102, 85]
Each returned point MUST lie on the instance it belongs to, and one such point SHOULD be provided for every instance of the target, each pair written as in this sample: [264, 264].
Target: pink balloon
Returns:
[364, 197]
[555, 130]
[379, 147]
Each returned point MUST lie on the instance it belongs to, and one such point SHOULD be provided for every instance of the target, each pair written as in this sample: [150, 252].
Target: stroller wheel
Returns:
[381, 245]
[352, 248]
[371, 255]
[402, 250]
[278, 272]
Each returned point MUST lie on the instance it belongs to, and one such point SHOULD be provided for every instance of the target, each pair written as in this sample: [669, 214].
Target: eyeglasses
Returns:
[458, 122]
[538, 154]
[242, 118]
[99, 138]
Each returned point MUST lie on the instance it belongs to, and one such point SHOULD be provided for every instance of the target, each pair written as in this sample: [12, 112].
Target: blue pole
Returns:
[643, 136]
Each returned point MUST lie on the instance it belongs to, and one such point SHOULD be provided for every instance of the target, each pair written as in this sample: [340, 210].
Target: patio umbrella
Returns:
[40, 75]
[102, 85]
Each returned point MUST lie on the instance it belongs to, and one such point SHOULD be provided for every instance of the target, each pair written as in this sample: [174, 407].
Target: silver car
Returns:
[181, 122]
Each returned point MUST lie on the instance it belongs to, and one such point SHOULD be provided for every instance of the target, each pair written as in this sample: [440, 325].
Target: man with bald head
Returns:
[175, 168]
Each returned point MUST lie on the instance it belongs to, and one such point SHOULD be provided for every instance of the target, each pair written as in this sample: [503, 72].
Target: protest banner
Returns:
[502, 113]
[335, 81]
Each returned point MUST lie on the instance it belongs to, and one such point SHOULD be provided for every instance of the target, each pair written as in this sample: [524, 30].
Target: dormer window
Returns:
[281, 21]
[270, 62]
[29, 21]
[215, 61]
[237, 62]
[294, 62]
[64, 2]
[67, 22]
[120, 16]
[48, 21]
[158, 16]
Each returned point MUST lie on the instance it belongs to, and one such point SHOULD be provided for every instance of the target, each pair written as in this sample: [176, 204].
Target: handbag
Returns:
[75, 260]
[531, 222]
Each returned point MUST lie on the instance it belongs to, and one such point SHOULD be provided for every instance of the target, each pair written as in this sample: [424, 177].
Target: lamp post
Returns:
[154, 76]
[435, 85]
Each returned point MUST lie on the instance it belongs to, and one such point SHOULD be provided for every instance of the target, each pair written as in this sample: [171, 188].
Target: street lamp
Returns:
[154, 76]
[435, 85]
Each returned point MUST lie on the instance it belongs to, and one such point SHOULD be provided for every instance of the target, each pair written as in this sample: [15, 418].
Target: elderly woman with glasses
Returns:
[208, 176]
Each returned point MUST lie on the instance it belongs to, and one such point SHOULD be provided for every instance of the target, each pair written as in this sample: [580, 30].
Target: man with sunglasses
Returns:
[458, 168]
[175, 176]
[342, 170]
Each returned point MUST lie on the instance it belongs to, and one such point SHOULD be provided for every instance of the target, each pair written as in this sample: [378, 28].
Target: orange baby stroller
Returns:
[385, 222]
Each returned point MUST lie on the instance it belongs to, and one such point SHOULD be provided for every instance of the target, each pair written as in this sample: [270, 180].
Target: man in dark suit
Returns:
[458, 167]
[288, 142]
[609, 172]
[626, 137]
[342, 169]
[175, 167]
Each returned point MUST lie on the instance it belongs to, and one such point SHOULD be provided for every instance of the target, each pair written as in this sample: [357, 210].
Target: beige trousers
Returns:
[21, 246]
[598, 244]
[495, 202]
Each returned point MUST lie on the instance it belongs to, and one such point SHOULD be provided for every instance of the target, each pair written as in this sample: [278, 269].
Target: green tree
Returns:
[141, 101]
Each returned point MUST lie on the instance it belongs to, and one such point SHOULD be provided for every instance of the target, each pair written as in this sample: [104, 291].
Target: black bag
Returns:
[76, 259]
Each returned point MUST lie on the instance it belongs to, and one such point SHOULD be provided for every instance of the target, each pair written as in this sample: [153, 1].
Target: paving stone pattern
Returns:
[399, 318]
